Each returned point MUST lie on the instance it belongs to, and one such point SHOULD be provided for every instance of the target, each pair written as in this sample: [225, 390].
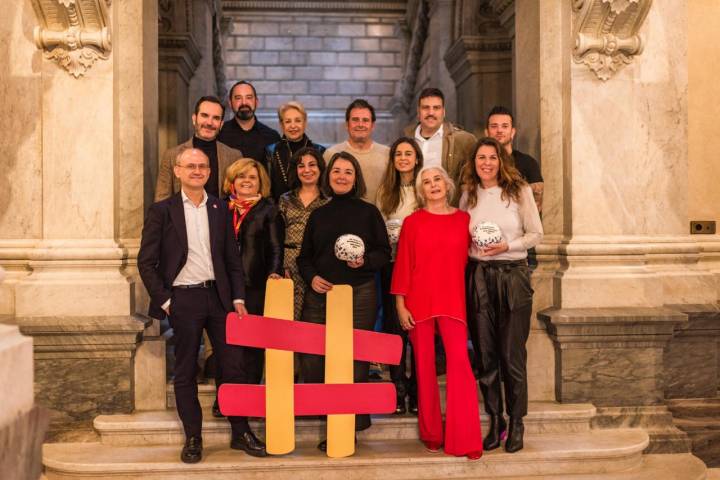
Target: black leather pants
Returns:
[499, 298]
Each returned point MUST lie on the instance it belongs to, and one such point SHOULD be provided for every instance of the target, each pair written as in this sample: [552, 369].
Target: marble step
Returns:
[164, 427]
[700, 420]
[549, 454]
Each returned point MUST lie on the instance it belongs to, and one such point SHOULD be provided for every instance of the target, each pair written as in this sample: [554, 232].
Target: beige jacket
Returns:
[167, 184]
[457, 149]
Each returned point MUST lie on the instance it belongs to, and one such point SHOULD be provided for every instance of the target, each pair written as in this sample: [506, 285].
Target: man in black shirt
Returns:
[207, 120]
[500, 127]
[244, 131]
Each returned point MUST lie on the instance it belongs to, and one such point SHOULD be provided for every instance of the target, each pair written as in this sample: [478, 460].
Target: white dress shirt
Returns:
[198, 267]
[431, 147]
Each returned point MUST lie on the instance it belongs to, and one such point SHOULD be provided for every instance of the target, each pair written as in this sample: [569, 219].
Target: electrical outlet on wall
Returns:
[702, 227]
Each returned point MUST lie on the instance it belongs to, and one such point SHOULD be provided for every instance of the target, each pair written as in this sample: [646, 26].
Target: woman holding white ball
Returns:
[501, 206]
[357, 262]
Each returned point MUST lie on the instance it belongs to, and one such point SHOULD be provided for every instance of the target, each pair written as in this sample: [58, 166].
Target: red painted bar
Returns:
[311, 399]
[304, 337]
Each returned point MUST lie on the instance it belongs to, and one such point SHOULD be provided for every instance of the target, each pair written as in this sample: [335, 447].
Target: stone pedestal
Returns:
[691, 356]
[22, 424]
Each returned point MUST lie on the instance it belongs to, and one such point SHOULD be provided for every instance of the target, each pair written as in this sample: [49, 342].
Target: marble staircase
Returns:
[560, 443]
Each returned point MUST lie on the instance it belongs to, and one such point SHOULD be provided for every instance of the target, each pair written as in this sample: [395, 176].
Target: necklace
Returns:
[285, 167]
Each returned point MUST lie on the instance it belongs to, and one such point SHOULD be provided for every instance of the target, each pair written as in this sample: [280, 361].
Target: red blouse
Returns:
[430, 265]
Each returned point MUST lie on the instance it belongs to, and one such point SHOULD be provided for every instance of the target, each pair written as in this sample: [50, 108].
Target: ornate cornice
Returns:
[475, 54]
[505, 10]
[179, 52]
[73, 33]
[356, 7]
[606, 33]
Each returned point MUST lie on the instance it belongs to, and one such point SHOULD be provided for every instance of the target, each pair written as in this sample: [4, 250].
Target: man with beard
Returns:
[245, 132]
[372, 156]
[207, 121]
[442, 143]
[500, 127]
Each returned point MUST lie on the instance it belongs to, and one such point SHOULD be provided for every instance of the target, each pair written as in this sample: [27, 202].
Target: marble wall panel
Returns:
[20, 137]
[76, 390]
[703, 112]
[629, 136]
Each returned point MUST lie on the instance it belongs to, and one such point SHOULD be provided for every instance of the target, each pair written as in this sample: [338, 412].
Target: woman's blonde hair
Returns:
[291, 105]
[449, 184]
[241, 166]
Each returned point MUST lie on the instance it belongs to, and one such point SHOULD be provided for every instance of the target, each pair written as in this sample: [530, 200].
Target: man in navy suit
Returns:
[191, 266]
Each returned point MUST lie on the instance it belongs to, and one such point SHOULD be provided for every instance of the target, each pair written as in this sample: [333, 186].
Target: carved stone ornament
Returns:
[74, 33]
[606, 33]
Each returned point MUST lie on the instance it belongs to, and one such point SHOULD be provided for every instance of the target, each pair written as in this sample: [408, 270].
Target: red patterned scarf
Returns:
[240, 208]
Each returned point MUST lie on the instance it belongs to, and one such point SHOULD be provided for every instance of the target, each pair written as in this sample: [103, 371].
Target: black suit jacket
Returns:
[261, 239]
[164, 249]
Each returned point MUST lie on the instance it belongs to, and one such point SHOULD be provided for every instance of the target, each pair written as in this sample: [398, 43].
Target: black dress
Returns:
[278, 160]
[342, 215]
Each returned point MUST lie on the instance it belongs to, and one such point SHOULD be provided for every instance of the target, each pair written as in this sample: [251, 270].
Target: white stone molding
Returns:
[73, 33]
[606, 33]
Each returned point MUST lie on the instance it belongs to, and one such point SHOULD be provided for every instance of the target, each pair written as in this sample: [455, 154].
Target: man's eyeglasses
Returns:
[196, 166]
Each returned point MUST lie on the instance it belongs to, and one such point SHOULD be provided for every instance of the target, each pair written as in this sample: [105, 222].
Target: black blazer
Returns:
[164, 249]
[261, 239]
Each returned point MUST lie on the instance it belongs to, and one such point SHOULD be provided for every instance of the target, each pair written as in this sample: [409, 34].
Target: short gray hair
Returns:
[449, 184]
[182, 152]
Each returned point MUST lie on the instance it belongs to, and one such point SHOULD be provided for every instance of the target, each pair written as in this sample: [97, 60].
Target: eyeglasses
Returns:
[196, 166]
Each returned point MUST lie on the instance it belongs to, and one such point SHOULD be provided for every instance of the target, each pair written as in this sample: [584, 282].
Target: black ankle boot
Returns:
[515, 438]
[400, 405]
[498, 430]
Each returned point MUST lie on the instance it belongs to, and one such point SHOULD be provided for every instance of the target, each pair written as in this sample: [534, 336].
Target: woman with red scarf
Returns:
[260, 235]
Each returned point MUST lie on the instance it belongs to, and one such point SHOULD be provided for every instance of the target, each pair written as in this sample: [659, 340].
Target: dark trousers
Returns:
[251, 360]
[313, 366]
[391, 324]
[499, 298]
[191, 311]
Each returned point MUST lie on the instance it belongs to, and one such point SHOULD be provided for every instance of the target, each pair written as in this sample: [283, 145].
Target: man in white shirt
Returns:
[191, 266]
[372, 157]
[441, 142]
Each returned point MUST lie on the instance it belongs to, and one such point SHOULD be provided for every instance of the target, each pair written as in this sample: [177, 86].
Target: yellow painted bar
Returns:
[279, 388]
[339, 366]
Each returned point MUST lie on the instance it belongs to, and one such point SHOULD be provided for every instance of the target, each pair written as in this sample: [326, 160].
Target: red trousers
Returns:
[462, 416]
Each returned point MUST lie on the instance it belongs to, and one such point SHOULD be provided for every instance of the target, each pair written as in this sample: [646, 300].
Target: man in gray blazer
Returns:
[207, 122]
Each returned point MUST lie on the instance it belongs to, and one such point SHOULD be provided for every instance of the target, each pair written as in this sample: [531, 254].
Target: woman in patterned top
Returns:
[295, 207]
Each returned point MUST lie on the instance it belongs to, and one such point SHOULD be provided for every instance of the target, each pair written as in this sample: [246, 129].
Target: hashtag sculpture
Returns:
[280, 400]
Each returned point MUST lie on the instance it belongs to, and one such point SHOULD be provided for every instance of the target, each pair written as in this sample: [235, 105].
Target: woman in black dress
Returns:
[344, 214]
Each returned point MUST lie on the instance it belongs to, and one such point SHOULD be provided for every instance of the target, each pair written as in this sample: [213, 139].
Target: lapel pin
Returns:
[214, 205]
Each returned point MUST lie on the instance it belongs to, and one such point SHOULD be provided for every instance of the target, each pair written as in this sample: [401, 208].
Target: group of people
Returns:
[285, 202]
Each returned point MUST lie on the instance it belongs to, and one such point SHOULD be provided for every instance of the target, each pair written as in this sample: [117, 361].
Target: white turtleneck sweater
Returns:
[519, 222]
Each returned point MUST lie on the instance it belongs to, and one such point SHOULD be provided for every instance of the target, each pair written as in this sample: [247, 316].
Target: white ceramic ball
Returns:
[486, 233]
[393, 230]
[349, 248]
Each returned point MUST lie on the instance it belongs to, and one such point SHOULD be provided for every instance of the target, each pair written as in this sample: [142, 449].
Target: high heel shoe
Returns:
[432, 447]
[515, 438]
[472, 456]
[497, 433]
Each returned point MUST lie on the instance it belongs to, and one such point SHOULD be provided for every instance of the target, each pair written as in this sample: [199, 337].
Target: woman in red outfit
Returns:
[428, 282]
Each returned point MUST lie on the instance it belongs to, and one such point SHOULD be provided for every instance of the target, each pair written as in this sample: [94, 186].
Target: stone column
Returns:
[613, 142]
[179, 57]
[75, 285]
[440, 14]
[480, 63]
